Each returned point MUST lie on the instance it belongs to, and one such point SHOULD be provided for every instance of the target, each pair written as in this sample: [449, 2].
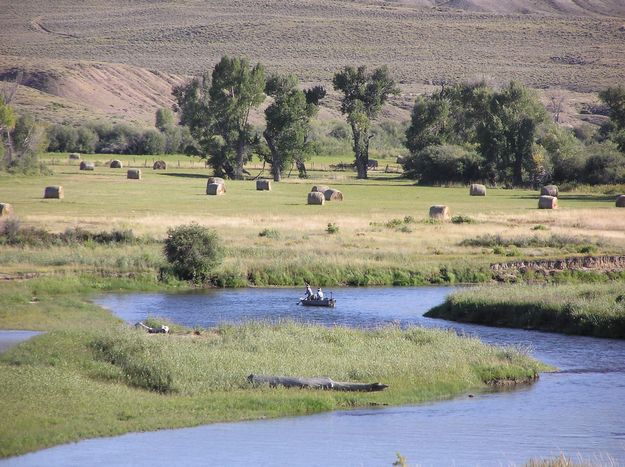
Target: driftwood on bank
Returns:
[313, 383]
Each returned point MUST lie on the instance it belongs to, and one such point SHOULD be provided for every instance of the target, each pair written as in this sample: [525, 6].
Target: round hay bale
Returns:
[215, 189]
[5, 209]
[620, 201]
[263, 185]
[87, 165]
[333, 195]
[320, 188]
[159, 165]
[439, 212]
[74, 156]
[116, 164]
[316, 197]
[401, 159]
[55, 192]
[477, 190]
[83, 164]
[547, 202]
[134, 174]
[549, 190]
[216, 180]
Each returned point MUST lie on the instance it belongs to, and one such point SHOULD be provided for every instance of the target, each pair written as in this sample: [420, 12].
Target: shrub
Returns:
[460, 219]
[443, 164]
[193, 251]
[332, 228]
[269, 233]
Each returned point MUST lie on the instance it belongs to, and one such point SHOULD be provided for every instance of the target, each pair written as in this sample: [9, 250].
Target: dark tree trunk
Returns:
[361, 153]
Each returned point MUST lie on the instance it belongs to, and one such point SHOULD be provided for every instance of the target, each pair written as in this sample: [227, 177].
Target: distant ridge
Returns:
[551, 7]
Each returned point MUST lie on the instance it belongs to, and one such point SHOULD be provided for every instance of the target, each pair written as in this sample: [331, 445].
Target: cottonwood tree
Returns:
[288, 121]
[614, 98]
[7, 123]
[216, 109]
[364, 94]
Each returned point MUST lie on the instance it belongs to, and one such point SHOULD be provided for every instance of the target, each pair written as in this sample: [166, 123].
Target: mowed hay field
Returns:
[382, 223]
[579, 50]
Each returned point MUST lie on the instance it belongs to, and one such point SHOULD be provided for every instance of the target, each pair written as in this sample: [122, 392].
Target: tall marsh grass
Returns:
[589, 309]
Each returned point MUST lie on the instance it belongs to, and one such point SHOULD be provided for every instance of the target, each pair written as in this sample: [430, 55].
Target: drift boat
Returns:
[327, 302]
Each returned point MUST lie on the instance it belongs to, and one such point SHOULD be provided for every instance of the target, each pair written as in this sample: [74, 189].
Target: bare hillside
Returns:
[78, 90]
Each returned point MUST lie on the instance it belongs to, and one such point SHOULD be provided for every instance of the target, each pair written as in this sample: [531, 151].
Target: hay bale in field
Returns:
[547, 202]
[215, 189]
[216, 180]
[263, 185]
[74, 156]
[549, 190]
[620, 201]
[55, 192]
[134, 174]
[477, 190]
[319, 188]
[333, 195]
[5, 209]
[316, 197]
[160, 165]
[439, 212]
[116, 164]
[401, 159]
[87, 165]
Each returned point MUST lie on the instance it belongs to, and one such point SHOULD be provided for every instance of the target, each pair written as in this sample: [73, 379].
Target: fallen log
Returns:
[313, 383]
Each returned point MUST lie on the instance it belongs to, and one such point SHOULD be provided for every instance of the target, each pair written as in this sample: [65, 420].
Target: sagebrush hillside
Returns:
[575, 46]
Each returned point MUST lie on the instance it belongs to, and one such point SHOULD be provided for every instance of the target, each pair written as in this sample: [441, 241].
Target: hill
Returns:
[85, 48]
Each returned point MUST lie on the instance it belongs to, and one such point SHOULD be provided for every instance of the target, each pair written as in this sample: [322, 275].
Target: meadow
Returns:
[90, 367]
[380, 234]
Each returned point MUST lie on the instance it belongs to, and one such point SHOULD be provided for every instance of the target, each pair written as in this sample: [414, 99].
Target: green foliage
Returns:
[138, 358]
[501, 123]
[216, 110]
[460, 219]
[443, 164]
[332, 228]
[364, 94]
[269, 233]
[164, 119]
[587, 309]
[288, 121]
[12, 233]
[193, 251]
[552, 241]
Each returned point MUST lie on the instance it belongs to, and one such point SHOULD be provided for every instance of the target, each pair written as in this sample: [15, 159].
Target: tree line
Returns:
[461, 133]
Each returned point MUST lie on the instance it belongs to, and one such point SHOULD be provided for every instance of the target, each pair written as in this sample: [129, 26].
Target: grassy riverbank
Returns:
[91, 375]
[588, 309]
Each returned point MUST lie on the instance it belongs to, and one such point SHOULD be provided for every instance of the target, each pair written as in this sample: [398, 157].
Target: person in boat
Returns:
[319, 294]
[309, 293]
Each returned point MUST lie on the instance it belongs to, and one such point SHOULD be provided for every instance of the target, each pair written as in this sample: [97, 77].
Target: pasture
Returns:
[381, 228]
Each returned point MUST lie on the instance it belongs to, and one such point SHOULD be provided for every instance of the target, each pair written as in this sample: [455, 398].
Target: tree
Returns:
[364, 94]
[164, 119]
[614, 98]
[193, 251]
[216, 109]
[7, 123]
[288, 121]
[429, 124]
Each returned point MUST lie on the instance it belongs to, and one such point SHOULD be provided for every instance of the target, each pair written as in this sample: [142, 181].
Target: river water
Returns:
[578, 411]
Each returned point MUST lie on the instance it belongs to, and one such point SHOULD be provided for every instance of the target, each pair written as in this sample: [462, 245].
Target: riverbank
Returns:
[596, 310]
[90, 366]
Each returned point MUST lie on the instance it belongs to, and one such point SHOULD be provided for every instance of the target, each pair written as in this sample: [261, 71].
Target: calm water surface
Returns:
[579, 411]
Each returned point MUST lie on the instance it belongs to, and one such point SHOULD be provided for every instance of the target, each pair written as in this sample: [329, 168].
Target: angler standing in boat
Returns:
[319, 294]
[308, 291]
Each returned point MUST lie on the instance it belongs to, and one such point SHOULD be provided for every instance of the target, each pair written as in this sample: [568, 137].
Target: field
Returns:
[383, 227]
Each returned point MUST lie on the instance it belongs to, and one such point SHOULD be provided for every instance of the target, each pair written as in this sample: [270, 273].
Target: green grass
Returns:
[91, 367]
[588, 309]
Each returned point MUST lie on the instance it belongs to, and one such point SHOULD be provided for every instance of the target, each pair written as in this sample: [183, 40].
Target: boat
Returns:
[327, 302]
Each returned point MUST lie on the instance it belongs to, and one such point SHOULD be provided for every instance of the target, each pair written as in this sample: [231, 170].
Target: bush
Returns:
[443, 164]
[605, 168]
[193, 251]
[332, 228]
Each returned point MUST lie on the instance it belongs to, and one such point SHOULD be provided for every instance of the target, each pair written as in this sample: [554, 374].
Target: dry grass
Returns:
[313, 39]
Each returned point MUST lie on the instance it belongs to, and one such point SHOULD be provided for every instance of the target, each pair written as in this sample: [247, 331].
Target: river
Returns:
[578, 411]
